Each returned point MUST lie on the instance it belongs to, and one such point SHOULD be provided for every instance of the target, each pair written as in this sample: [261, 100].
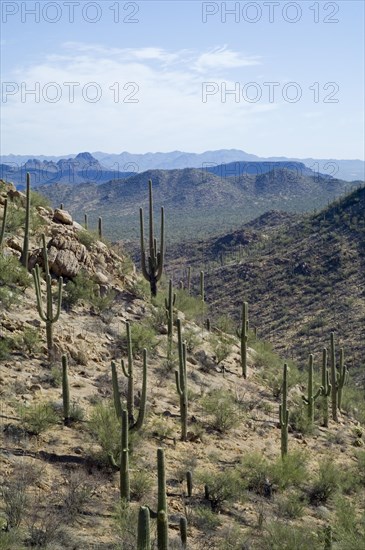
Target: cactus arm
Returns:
[162, 521]
[37, 285]
[334, 392]
[125, 372]
[161, 254]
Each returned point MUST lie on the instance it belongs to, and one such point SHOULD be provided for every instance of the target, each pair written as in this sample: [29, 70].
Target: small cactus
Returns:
[65, 392]
[143, 536]
[183, 532]
[202, 292]
[189, 483]
[342, 378]
[116, 395]
[243, 335]
[100, 228]
[169, 307]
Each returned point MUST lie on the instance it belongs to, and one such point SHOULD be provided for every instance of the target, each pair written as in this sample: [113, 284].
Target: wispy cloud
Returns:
[146, 99]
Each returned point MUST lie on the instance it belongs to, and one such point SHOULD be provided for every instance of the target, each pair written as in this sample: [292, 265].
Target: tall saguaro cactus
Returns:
[284, 414]
[162, 518]
[338, 379]
[25, 252]
[181, 383]
[311, 397]
[3, 224]
[244, 338]
[153, 265]
[48, 316]
[326, 387]
[129, 373]
[169, 307]
[124, 459]
[342, 377]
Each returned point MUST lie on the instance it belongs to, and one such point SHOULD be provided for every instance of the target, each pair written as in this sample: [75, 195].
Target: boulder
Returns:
[62, 216]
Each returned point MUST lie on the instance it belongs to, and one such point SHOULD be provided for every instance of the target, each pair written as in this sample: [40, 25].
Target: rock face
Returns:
[67, 256]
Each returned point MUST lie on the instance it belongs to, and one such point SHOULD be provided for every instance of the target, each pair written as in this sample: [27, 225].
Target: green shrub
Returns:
[290, 471]
[81, 289]
[219, 403]
[221, 346]
[105, 427]
[292, 506]
[255, 472]
[87, 238]
[325, 484]
[37, 417]
[13, 274]
[203, 519]
[143, 336]
[281, 536]
[31, 339]
[141, 484]
[222, 486]
[193, 307]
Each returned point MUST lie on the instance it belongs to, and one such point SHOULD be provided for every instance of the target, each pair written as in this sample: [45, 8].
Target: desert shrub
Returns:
[281, 536]
[222, 486]
[191, 339]
[141, 484]
[87, 238]
[220, 404]
[290, 471]
[221, 346]
[36, 199]
[298, 419]
[255, 472]
[11, 540]
[105, 427]
[230, 537]
[193, 307]
[15, 498]
[37, 417]
[13, 274]
[77, 413]
[203, 518]
[5, 347]
[81, 288]
[102, 302]
[140, 288]
[75, 494]
[31, 339]
[126, 519]
[325, 484]
[291, 506]
[143, 335]
[360, 455]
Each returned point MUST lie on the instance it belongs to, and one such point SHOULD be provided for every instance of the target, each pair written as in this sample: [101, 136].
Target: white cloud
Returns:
[150, 99]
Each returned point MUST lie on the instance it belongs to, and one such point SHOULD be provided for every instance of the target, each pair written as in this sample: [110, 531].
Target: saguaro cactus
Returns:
[342, 377]
[100, 227]
[144, 537]
[152, 266]
[189, 483]
[338, 379]
[188, 286]
[311, 398]
[326, 387]
[183, 532]
[284, 414]
[25, 251]
[47, 316]
[243, 335]
[3, 224]
[116, 395]
[129, 373]
[202, 293]
[65, 391]
[181, 383]
[124, 459]
[162, 519]
[169, 307]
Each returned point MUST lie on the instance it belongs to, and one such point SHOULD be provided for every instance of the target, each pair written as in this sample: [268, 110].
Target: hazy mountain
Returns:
[84, 167]
[348, 170]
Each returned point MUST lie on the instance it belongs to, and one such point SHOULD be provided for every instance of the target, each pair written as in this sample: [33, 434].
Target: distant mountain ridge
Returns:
[349, 170]
[84, 167]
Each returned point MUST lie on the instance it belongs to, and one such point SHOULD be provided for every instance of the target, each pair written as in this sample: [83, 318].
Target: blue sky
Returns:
[155, 76]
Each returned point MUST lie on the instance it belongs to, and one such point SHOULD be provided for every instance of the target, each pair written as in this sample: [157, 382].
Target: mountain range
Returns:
[348, 170]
